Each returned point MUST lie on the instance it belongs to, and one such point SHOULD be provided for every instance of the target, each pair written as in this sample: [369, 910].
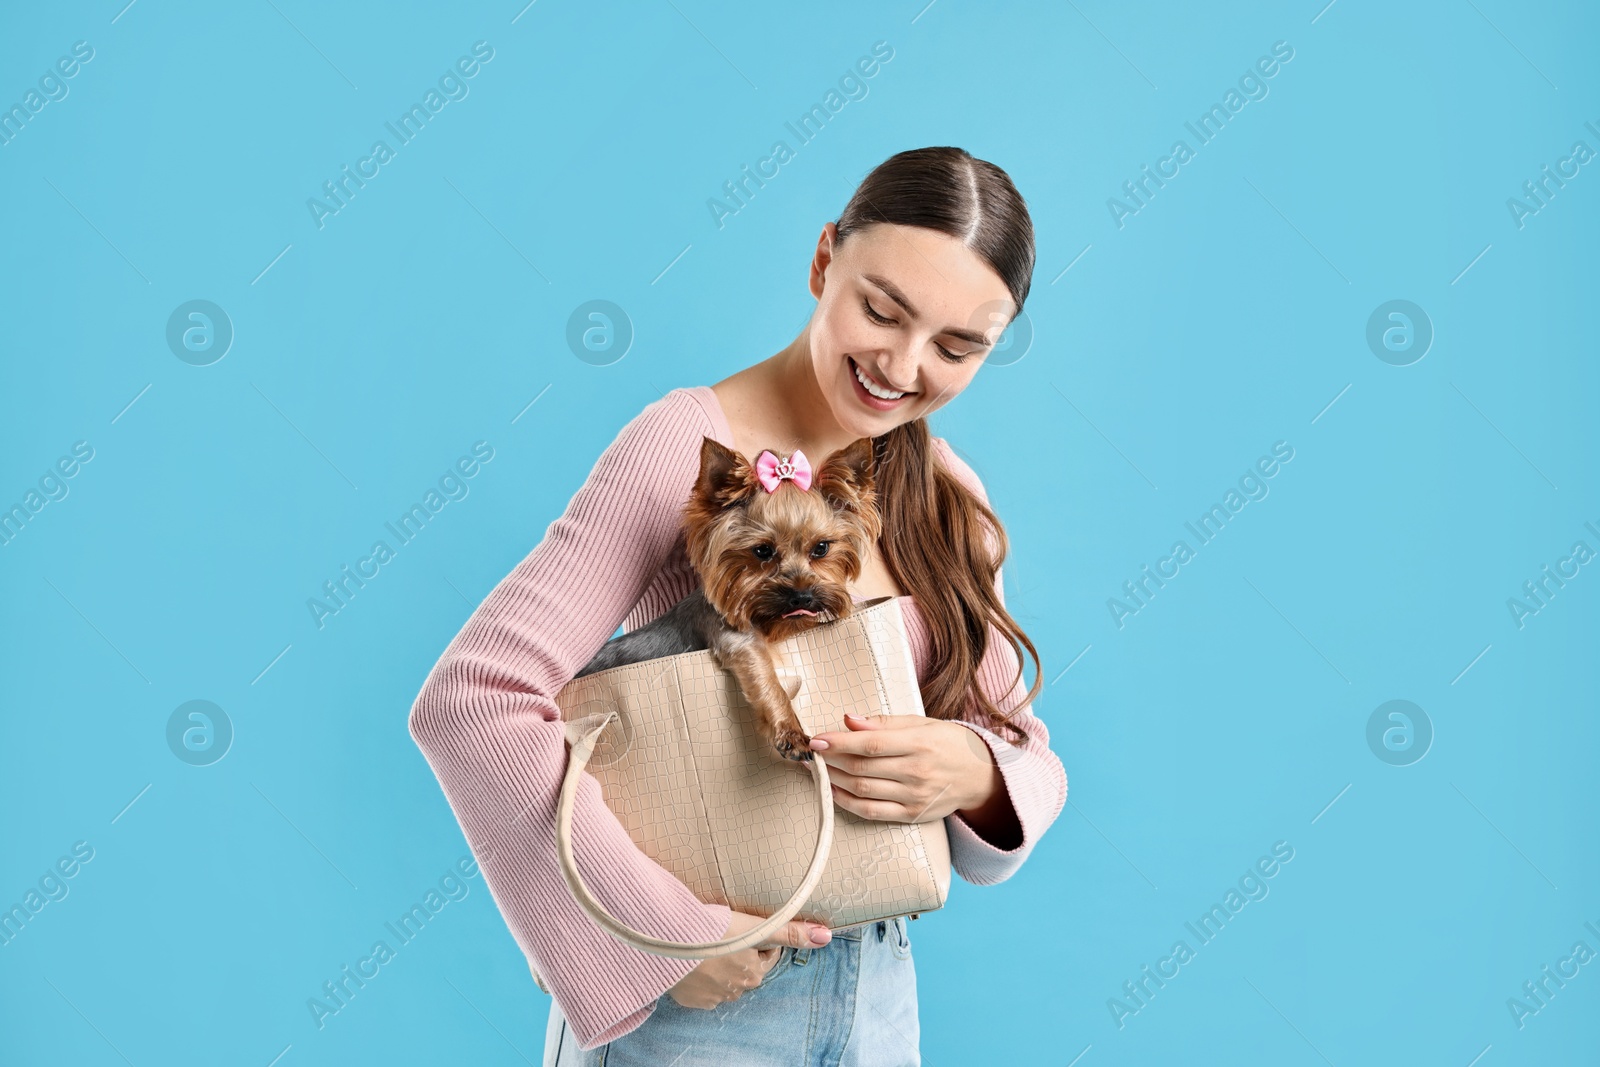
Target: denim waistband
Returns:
[855, 933]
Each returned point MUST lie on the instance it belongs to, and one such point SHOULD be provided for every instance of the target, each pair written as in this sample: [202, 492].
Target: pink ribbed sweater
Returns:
[488, 724]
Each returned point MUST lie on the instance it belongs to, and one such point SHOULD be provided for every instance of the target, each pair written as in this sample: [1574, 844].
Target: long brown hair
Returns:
[941, 542]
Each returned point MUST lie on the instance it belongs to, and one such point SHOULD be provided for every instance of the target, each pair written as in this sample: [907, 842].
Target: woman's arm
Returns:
[1034, 780]
[487, 721]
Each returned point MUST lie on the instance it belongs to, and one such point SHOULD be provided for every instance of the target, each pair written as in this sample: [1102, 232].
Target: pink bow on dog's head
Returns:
[772, 471]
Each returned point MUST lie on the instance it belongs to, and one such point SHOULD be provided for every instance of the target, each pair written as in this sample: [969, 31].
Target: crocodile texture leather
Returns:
[679, 761]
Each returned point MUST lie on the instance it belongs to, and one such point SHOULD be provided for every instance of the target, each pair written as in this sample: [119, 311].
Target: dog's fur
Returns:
[744, 601]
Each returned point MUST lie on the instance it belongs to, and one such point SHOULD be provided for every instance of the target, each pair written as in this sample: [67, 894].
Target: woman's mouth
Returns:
[873, 394]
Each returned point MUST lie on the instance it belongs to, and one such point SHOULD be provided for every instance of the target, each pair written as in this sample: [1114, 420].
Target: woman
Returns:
[914, 283]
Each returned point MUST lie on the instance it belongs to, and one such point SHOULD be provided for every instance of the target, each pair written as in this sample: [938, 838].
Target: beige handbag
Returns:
[679, 761]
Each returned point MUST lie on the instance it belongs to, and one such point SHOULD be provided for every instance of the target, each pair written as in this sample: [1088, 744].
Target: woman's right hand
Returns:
[720, 979]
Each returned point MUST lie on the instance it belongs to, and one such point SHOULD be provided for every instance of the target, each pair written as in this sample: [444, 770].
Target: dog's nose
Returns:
[802, 598]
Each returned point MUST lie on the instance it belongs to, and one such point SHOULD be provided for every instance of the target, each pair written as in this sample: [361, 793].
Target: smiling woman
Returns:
[907, 281]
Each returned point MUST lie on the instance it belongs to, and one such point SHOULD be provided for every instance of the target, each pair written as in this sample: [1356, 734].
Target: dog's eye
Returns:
[820, 550]
[764, 552]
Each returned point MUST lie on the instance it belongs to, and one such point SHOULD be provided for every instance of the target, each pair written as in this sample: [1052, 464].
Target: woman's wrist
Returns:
[991, 813]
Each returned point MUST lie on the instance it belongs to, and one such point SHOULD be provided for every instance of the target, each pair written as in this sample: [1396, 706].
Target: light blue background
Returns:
[426, 315]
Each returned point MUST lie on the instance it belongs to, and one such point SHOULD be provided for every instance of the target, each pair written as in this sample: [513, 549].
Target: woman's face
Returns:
[898, 302]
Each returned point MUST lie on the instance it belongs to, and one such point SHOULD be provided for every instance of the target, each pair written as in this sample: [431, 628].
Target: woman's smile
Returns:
[879, 397]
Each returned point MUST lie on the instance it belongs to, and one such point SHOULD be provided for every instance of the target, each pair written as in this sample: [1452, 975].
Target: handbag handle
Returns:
[582, 749]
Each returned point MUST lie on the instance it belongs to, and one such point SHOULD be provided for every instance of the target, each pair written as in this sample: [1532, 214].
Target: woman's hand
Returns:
[720, 979]
[909, 768]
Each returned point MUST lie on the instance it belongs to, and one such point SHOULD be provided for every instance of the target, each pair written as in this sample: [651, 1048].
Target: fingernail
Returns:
[820, 935]
[818, 744]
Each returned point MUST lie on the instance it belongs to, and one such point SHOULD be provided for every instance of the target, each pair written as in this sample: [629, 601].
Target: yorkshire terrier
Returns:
[774, 548]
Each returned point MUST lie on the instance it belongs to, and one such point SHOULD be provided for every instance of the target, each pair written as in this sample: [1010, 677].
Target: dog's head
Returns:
[779, 561]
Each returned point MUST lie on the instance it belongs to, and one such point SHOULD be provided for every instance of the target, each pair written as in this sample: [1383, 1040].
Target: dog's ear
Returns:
[726, 478]
[847, 480]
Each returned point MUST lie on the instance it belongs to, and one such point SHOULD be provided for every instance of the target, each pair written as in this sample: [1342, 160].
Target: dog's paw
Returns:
[793, 745]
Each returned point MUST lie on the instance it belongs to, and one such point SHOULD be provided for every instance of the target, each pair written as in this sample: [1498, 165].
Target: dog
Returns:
[775, 548]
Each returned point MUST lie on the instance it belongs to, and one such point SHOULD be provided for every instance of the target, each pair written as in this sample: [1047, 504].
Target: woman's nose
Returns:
[899, 370]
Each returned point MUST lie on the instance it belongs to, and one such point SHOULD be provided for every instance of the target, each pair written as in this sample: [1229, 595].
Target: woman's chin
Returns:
[859, 421]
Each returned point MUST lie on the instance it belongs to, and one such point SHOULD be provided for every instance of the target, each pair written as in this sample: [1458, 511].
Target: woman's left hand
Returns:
[908, 768]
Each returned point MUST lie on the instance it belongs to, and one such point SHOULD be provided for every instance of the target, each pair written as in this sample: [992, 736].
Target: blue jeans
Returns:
[849, 1003]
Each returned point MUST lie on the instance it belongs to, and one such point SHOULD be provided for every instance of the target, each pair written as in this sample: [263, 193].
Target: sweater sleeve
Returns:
[1034, 776]
[487, 722]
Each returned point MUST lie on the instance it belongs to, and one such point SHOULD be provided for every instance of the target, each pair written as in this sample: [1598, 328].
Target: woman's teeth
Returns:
[881, 394]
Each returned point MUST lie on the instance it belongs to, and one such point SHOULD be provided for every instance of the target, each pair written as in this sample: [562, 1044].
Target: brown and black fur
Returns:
[740, 605]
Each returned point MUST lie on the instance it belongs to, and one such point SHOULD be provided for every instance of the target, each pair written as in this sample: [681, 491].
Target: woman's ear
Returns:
[726, 478]
[822, 257]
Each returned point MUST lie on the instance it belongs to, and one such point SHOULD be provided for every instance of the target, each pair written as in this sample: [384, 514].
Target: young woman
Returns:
[914, 283]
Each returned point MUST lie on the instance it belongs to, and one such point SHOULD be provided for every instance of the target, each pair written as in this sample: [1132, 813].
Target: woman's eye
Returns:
[763, 552]
[866, 305]
[820, 550]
